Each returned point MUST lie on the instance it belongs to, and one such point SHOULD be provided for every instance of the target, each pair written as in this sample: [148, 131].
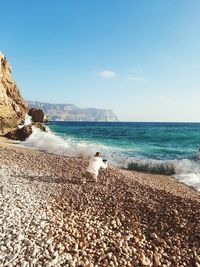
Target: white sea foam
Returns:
[28, 120]
[191, 179]
[52, 143]
[186, 171]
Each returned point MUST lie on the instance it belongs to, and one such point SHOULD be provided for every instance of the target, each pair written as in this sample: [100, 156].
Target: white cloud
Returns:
[135, 78]
[107, 74]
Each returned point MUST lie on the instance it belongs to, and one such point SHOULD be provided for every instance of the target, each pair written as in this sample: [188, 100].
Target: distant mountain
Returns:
[69, 112]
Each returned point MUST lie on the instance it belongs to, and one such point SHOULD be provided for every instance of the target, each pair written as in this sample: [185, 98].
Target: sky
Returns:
[139, 58]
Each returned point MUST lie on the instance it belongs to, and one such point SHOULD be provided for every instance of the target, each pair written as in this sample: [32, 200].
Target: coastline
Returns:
[126, 219]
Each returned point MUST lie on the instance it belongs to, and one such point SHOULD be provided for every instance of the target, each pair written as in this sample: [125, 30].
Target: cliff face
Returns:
[68, 112]
[12, 105]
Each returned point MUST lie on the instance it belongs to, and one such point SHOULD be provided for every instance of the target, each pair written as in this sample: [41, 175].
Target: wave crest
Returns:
[151, 166]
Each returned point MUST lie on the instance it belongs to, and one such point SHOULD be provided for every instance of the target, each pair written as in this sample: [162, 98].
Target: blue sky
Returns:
[139, 58]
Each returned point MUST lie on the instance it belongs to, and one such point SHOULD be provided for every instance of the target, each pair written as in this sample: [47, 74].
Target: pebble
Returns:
[24, 263]
[144, 260]
[51, 224]
[68, 257]
[153, 235]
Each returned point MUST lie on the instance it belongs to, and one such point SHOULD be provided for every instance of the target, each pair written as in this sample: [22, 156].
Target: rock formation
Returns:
[24, 132]
[12, 105]
[36, 114]
[20, 134]
[68, 112]
[40, 126]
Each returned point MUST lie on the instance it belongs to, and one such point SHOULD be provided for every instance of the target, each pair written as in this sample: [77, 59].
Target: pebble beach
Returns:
[48, 217]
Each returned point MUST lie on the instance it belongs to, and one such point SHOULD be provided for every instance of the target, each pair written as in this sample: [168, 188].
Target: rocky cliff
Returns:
[12, 105]
[68, 112]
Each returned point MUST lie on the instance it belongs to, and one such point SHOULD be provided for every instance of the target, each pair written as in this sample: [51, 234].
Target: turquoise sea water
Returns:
[163, 141]
[168, 148]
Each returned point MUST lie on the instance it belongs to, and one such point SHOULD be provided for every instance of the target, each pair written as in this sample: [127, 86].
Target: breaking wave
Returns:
[51, 143]
[185, 170]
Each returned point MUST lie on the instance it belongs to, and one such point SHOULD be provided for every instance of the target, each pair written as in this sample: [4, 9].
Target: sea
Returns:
[160, 148]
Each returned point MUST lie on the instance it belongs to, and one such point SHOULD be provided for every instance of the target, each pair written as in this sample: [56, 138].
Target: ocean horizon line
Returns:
[164, 122]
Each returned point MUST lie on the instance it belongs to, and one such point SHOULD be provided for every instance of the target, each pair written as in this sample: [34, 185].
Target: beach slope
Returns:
[49, 218]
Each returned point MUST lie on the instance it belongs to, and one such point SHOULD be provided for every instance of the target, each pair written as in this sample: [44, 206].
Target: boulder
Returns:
[12, 106]
[20, 134]
[37, 114]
